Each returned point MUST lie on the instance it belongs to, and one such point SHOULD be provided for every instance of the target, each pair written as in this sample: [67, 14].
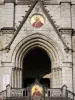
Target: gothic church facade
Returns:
[37, 24]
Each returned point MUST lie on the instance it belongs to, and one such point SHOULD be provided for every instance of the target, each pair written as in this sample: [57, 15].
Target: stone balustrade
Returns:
[25, 92]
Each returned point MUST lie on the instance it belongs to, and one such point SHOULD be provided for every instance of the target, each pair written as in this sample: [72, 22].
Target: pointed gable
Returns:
[30, 13]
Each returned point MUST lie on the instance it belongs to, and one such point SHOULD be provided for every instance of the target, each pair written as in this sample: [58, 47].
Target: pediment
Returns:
[47, 23]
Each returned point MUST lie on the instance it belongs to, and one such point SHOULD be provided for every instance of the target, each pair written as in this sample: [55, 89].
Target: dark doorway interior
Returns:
[36, 64]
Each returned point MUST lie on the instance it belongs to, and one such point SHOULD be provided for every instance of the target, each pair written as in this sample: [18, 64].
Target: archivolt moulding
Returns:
[42, 41]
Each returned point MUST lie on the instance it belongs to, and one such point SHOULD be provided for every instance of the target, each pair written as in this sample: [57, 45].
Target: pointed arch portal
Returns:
[36, 56]
[36, 64]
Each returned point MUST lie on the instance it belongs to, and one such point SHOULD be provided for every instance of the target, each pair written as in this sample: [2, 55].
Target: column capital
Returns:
[17, 68]
[56, 69]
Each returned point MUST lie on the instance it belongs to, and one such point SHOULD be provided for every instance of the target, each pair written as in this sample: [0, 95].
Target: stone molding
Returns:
[9, 1]
[29, 2]
[66, 2]
[66, 31]
[17, 68]
[57, 69]
[7, 30]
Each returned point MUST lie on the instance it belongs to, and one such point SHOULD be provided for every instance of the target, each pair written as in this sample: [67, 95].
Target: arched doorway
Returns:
[52, 51]
[36, 64]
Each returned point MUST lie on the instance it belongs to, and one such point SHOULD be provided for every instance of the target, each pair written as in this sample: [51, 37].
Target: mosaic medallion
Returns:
[37, 20]
[36, 91]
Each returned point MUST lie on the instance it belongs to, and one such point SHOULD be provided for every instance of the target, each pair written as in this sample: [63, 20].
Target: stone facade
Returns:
[56, 37]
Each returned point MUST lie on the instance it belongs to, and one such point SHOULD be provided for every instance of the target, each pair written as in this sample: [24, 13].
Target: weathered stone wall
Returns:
[73, 41]
[63, 15]
[73, 44]
[6, 15]
[6, 20]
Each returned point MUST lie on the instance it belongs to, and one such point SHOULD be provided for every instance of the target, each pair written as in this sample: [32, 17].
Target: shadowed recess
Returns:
[36, 64]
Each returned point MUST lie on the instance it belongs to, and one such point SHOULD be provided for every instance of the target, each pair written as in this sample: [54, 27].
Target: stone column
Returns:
[15, 77]
[12, 79]
[20, 78]
[60, 76]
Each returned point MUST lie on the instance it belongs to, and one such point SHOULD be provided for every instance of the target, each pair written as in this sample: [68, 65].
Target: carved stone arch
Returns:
[51, 56]
[37, 40]
[31, 44]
